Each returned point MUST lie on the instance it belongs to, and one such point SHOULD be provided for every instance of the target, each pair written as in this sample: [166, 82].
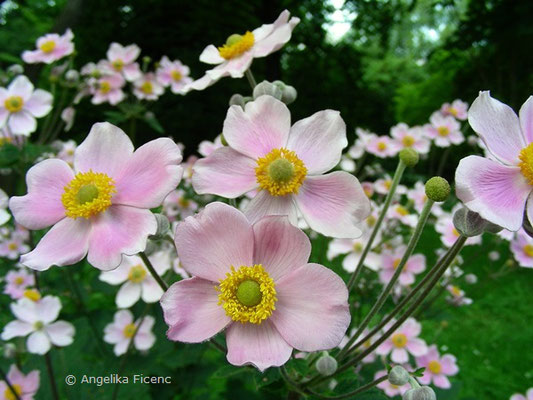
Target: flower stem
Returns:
[359, 390]
[395, 181]
[251, 79]
[4, 377]
[50, 370]
[152, 270]
[413, 241]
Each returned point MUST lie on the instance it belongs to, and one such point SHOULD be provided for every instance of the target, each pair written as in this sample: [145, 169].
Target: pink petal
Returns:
[21, 86]
[497, 124]
[144, 341]
[280, 247]
[441, 381]
[384, 348]
[225, 172]
[3, 115]
[263, 125]
[449, 366]
[119, 230]
[264, 204]
[260, 345]
[128, 294]
[38, 343]
[47, 309]
[411, 328]
[497, 192]
[22, 123]
[40, 103]
[192, 312]
[399, 356]
[65, 244]
[416, 347]
[151, 291]
[217, 238]
[31, 382]
[526, 119]
[312, 310]
[61, 333]
[273, 42]
[106, 149]
[334, 204]
[42, 206]
[318, 141]
[16, 328]
[416, 263]
[149, 175]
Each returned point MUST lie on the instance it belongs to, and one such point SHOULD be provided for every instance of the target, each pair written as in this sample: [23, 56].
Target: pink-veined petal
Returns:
[264, 204]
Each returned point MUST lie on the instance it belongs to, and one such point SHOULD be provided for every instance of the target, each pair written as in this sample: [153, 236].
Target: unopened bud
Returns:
[163, 226]
[289, 94]
[398, 375]
[267, 88]
[437, 189]
[409, 157]
[237, 100]
[326, 365]
[468, 223]
[10, 350]
[15, 69]
[72, 75]
[421, 393]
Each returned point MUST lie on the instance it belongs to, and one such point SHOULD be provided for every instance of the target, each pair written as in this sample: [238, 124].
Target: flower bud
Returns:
[163, 226]
[15, 69]
[471, 278]
[527, 226]
[421, 393]
[409, 157]
[326, 365]
[10, 350]
[236, 100]
[72, 75]
[468, 223]
[437, 189]
[398, 375]
[267, 88]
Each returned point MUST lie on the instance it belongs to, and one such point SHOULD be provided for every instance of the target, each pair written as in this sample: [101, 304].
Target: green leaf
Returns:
[9, 155]
[154, 124]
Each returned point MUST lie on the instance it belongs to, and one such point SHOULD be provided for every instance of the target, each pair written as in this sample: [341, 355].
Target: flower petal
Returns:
[106, 149]
[211, 55]
[280, 35]
[526, 119]
[61, 333]
[259, 345]
[497, 124]
[224, 237]
[40, 103]
[225, 172]
[42, 206]
[22, 123]
[334, 204]
[38, 343]
[151, 291]
[191, 310]
[497, 192]
[119, 230]
[279, 246]
[318, 140]
[149, 175]
[65, 244]
[312, 310]
[128, 294]
[264, 204]
[16, 328]
[47, 309]
[21, 86]
[263, 125]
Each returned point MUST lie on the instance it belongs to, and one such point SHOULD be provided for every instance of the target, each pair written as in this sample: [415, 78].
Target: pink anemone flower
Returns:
[388, 260]
[25, 386]
[255, 281]
[20, 105]
[102, 207]
[458, 109]
[410, 138]
[147, 87]
[437, 368]
[236, 56]
[122, 60]
[121, 331]
[403, 341]
[499, 188]
[287, 165]
[518, 396]
[522, 249]
[444, 131]
[108, 88]
[173, 74]
[50, 47]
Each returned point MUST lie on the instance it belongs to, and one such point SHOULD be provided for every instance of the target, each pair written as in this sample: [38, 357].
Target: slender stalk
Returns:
[51, 375]
[251, 79]
[152, 270]
[359, 390]
[413, 241]
[9, 385]
[395, 181]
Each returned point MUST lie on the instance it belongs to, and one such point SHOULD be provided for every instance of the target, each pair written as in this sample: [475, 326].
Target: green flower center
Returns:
[87, 193]
[249, 293]
[14, 104]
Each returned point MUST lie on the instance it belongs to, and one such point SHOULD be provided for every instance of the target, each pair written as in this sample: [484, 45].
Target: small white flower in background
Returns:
[406, 137]
[20, 104]
[147, 87]
[458, 297]
[444, 131]
[137, 281]
[13, 246]
[36, 319]
[121, 60]
[17, 280]
[50, 47]
[173, 74]
[67, 115]
[108, 89]
[121, 331]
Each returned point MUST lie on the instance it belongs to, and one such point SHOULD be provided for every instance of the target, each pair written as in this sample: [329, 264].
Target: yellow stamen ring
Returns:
[247, 294]
[236, 45]
[88, 194]
[280, 172]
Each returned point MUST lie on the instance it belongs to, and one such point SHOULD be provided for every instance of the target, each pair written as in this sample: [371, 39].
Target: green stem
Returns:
[4, 377]
[359, 390]
[413, 241]
[152, 270]
[395, 181]
[251, 79]
[50, 370]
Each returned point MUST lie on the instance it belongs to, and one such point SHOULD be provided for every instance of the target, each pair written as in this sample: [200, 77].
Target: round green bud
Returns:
[237, 100]
[398, 375]
[326, 365]
[437, 189]
[421, 393]
[289, 94]
[409, 157]
[249, 293]
[267, 88]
